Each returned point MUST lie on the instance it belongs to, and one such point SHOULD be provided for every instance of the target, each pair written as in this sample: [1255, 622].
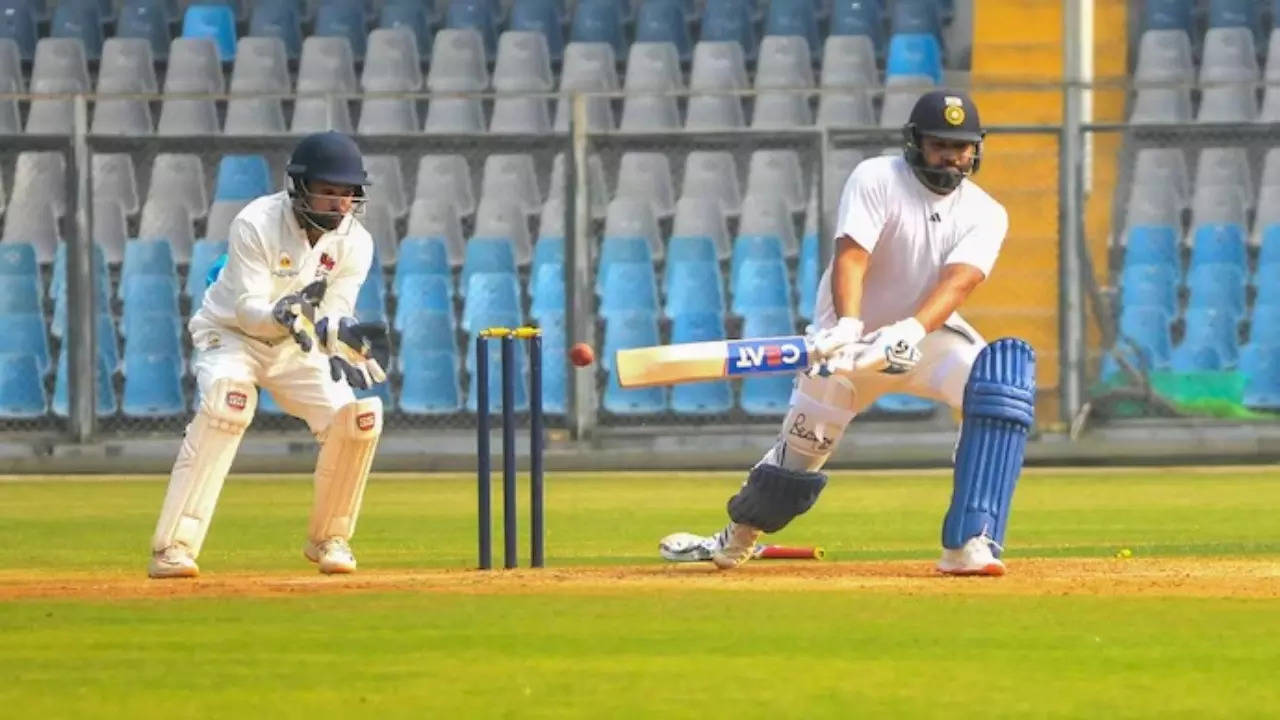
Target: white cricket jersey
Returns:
[911, 233]
[268, 256]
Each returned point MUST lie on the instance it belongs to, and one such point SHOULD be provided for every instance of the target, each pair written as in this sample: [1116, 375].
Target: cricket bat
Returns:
[720, 359]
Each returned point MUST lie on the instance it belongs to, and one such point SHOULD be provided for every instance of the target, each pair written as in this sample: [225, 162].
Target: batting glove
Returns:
[296, 312]
[826, 343]
[893, 349]
[357, 351]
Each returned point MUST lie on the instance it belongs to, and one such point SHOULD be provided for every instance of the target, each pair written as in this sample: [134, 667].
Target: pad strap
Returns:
[774, 496]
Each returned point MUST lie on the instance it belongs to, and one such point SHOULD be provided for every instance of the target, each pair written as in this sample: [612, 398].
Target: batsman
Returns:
[914, 237]
[280, 316]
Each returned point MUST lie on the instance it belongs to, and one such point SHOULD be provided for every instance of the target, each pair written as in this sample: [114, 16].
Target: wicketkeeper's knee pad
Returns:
[208, 447]
[774, 496]
[999, 411]
[346, 453]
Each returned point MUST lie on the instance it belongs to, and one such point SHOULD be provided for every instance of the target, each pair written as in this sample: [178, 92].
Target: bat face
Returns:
[694, 362]
[748, 357]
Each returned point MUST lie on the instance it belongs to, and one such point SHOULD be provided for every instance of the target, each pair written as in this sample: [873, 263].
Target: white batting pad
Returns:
[342, 469]
[208, 447]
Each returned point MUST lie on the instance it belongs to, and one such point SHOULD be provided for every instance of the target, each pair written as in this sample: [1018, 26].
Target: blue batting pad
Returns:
[999, 409]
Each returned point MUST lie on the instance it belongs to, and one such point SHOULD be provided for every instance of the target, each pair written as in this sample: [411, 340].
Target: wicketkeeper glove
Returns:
[296, 312]
[357, 351]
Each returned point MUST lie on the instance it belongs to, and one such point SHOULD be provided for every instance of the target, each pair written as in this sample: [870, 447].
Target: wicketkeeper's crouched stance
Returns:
[279, 316]
[914, 237]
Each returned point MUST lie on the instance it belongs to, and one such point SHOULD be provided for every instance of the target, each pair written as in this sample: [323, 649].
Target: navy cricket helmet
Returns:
[948, 115]
[330, 157]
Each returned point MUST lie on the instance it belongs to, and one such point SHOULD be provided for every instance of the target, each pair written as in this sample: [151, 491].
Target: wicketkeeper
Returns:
[914, 237]
[280, 316]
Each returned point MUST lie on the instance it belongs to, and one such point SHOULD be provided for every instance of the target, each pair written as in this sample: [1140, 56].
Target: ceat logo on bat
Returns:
[768, 355]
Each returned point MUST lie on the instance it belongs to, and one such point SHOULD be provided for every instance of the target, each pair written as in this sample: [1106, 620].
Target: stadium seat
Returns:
[794, 18]
[1268, 291]
[713, 174]
[498, 217]
[915, 16]
[1148, 329]
[524, 63]
[203, 254]
[194, 66]
[761, 284]
[694, 287]
[317, 114]
[764, 246]
[688, 249]
[242, 177]
[216, 22]
[1264, 325]
[1165, 167]
[1218, 206]
[162, 219]
[438, 219]
[1225, 167]
[25, 334]
[1164, 56]
[392, 63]
[587, 67]
[514, 178]
[79, 20]
[700, 398]
[915, 55]
[153, 386]
[19, 294]
[21, 387]
[549, 250]
[458, 62]
[620, 249]
[422, 292]
[635, 401]
[1150, 285]
[149, 294]
[730, 21]
[1151, 245]
[701, 216]
[110, 228]
[1236, 102]
[371, 303]
[114, 178]
[808, 274]
[768, 394]
[628, 329]
[1153, 205]
[146, 21]
[859, 18]
[1207, 328]
[1268, 215]
[40, 177]
[764, 214]
[1162, 105]
[629, 217]
[278, 19]
[34, 224]
[663, 21]
[421, 256]
[1269, 248]
[777, 173]
[845, 109]
[151, 334]
[179, 178]
[475, 15]
[429, 331]
[430, 382]
[487, 255]
[126, 68]
[628, 286]
[599, 21]
[336, 18]
[387, 116]
[1213, 244]
[900, 96]
[147, 257]
[540, 16]
[1261, 366]
[547, 291]
[1228, 56]
[454, 115]
[1218, 286]
[1234, 14]
[221, 213]
[413, 17]
[490, 294]
[717, 66]
[495, 377]
[58, 281]
[18, 23]
[647, 176]
[19, 260]
[106, 394]
[1167, 15]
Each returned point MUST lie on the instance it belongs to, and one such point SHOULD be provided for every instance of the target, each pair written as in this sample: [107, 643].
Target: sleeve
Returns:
[248, 272]
[345, 281]
[861, 215]
[980, 245]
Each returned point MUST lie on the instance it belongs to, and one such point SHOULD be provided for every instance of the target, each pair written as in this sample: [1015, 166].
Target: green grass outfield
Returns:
[1189, 626]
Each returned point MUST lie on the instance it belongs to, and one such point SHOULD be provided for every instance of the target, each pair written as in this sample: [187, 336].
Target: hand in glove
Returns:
[296, 312]
[893, 349]
[357, 351]
[827, 343]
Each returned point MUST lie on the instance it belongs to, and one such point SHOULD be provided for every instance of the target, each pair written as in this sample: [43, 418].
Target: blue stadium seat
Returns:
[21, 387]
[1191, 357]
[18, 23]
[702, 398]
[1235, 13]
[762, 284]
[101, 300]
[1213, 329]
[242, 177]
[546, 291]
[795, 17]
[279, 19]
[599, 21]
[808, 274]
[615, 249]
[430, 382]
[1148, 329]
[487, 254]
[382, 391]
[343, 18]
[1167, 15]
[412, 16]
[898, 405]
[371, 302]
[19, 294]
[694, 287]
[495, 377]
[108, 341]
[1218, 244]
[1264, 325]
[1149, 285]
[421, 256]
[555, 371]
[148, 20]
[422, 292]
[548, 250]
[629, 286]
[25, 333]
[664, 21]
[772, 322]
[149, 293]
[859, 17]
[752, 247]
[429, 331]
[152, 334]
[1261, 367]
[915, 54]
[1269, 248]
[216, 22]
[204, 253]
[1152, 245]
[58, 281]
[730, 21]
[540, 16]
[153, 386]
[82, 20]
[1268, 291]
[1217, 286]
[490, 294]
[635, 401]
[916, 16]
[267, 404]
[628, 330]
[476, 15]
[147, 257]
[19, 259]
[769, 394]
[106, 392]
[688, 248]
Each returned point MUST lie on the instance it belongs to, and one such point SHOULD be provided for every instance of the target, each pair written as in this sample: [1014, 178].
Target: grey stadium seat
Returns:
[598, 188]
[457, 62]
[1153, 205]
[1218, 204]
[11, 65]
[387, 183]
[632, 217]
[437, 217]
[221, 213]
[1225, 166]
[768, 215]
[1164, 56]
[1268, 211]
[647, 176]
[446, 177]
[1228, 103]
[391, 63]
[840, 164]
[784, 63]
[179, 177]
[194, 66]
[447, 115]
[34, 223]
[126, 68]
[588, 67]
[1270, 111]
[702, 216]
[114, 177]
[1161, 105]
[849, 61]
[499, 217]
[521, 114]
[781, 109]
[648, 113]
[41, 177]
[653, 66]
[254, 116]
[59, 67]
[327, 65]
[715, 111]
[900, 95]
[718, 65]
[514, 178]
[714, 174]
[110, 228]
[524, 63]
[261, 66]
[1164, 166]
[1271, 168]
[320, 114]
[551, 222]
[777, 172]
[377, 219]
[168, 218]
[10, 120]
[845, 108]
[387, 116]
[1228, 56]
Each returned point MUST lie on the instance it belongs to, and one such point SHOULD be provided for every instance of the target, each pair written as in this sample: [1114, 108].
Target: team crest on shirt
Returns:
[325, 266]
[284, 266]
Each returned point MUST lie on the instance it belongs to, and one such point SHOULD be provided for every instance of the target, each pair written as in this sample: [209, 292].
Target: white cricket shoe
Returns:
[174, 561]
[334, 556]
[736, 544]
[973, 558]
[687, 547]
